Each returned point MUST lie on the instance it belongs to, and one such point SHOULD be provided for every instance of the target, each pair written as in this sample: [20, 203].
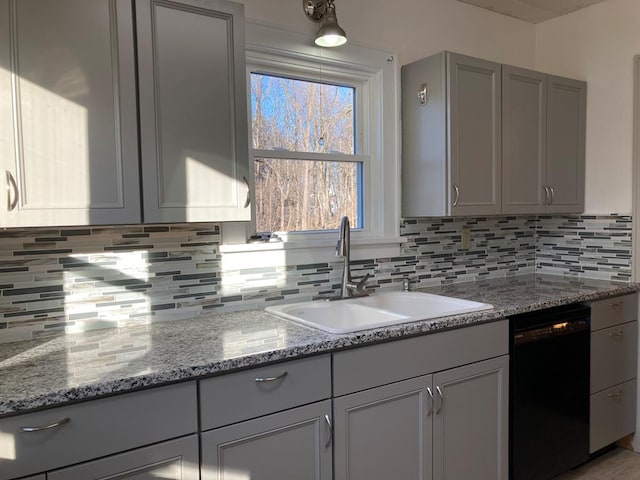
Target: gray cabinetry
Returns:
[451, 143]
[295, 443]
[172, 460]
[524, 132]
[68, 132]
[97, 428]
[385, 432]
[471, 422]
[422, 426]
[566, 124]
[193, 111]
[614, 350]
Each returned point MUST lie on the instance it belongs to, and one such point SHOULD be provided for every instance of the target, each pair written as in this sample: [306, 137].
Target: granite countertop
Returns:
[51, 372]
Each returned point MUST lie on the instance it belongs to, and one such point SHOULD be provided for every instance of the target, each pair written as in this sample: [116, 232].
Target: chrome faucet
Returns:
[343, 249]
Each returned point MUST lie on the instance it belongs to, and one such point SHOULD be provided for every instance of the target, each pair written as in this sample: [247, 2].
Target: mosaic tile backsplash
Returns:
[73, 279]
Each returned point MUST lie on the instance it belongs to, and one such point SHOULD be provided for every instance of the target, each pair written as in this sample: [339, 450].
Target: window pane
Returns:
[302, 195]
[301, 116]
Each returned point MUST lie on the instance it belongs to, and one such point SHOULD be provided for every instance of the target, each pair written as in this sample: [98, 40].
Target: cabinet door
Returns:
[474, 135]
[524, 119]
[193, 111]
[384, 432]
[173, 460]
[68, 127]
[292, 444]
[566, 121]
[470, 428]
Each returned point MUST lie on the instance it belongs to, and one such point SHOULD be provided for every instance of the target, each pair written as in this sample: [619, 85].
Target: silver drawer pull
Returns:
[456, 190]
[616, 395]
[271, 379]
[59, 423]
[617, 335]
[617, 305]
[11, 187]
[431, 402]
[328, 420]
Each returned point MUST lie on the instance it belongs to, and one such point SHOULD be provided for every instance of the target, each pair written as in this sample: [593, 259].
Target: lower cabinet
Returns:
[452, 425]
[294, 444]
[172, 460]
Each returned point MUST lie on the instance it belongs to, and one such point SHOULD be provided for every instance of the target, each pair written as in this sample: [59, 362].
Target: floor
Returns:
[619, 464]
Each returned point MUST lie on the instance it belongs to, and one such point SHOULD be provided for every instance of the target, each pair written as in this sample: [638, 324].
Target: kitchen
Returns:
[132, 282]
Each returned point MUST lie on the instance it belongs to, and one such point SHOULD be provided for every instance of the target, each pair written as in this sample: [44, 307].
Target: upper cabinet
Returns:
[543, 142]
[451, 142]
[566, 125]
[193, 110]
[481, 138]
[68, 133]
[69, 112]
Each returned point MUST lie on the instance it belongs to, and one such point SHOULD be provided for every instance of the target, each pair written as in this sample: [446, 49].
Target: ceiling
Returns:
[534, 11]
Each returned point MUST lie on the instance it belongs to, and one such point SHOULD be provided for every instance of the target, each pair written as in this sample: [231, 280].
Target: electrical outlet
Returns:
[466, 238]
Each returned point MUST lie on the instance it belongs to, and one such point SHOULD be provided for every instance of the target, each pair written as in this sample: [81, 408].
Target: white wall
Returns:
[597, 44]
[414, 28]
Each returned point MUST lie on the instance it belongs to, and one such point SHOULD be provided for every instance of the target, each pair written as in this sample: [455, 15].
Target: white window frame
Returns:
[375, 74]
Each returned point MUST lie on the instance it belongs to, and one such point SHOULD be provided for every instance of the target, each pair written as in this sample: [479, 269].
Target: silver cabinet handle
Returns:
[553, 193]
[271, 379]
[616, 395]
[617, 305]
[441, 400]
[618, 335]
[11, 185]
[247, 202]
[457, 197]
[430, 393]
[546, 195]
[59, 423]
[328, 420]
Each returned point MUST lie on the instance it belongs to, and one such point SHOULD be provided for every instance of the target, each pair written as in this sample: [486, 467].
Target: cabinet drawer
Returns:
[171, 460]
[96, 428]
[613, 415]
[240, 396]
[368, 367]
[614, 352]
[612, 311]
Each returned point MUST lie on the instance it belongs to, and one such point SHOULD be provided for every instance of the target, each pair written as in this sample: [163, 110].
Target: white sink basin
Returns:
[389, 308]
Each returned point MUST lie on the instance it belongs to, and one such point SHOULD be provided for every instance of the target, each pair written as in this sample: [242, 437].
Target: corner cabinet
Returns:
[68, 117]
[451, 136]
[543, 142]
[193, 110]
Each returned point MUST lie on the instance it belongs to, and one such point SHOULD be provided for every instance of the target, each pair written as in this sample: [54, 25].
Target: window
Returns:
[291, 118]
[324, 143]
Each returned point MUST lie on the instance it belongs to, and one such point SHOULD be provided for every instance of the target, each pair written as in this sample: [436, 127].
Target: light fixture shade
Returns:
[330, 34]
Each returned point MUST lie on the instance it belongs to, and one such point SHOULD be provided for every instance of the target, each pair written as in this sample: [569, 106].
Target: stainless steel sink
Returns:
[383, 309]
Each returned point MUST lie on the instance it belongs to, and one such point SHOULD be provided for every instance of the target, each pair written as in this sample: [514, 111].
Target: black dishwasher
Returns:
[549, 392]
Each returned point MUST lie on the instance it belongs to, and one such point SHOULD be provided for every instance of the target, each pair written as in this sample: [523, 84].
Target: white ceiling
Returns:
[534, 11]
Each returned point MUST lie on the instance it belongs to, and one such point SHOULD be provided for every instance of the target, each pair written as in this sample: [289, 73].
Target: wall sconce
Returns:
[324, 11]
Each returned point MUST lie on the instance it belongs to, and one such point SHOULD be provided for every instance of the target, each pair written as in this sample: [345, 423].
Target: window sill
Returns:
[260, 255]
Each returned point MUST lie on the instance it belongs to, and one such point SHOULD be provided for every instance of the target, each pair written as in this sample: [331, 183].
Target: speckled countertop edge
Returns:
[54, 372]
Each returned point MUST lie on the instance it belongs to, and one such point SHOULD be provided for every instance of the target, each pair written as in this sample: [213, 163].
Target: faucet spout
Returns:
[343, 249]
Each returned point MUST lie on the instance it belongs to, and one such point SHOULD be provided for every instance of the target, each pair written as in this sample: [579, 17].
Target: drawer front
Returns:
[612, 311]
[96, 428]
[240, 396]
[171, 460]
[368, 367]
[613, 415]
[614, 353]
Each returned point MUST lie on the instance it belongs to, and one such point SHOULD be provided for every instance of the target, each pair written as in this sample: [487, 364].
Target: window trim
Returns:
[375, 75]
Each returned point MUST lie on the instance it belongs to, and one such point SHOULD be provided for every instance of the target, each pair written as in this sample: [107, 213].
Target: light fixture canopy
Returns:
[329, 33]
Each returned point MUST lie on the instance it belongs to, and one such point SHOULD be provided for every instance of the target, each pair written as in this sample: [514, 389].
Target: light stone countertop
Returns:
[50, 372]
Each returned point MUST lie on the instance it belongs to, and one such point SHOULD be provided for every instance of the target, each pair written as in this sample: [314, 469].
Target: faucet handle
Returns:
[362, 284]
[406, 285]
